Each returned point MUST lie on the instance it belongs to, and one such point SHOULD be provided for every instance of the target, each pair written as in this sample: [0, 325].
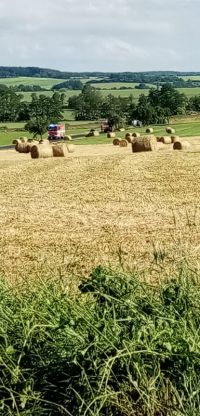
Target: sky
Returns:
[101, 35]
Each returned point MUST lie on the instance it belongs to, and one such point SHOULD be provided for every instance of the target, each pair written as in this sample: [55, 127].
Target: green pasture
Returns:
[42, 82]
[191, 77]
[184, 127]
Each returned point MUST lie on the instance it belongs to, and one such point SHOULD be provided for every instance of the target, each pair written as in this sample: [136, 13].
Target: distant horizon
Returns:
[96, 71]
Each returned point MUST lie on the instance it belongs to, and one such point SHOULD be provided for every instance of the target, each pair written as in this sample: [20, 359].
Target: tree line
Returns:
[155, 108]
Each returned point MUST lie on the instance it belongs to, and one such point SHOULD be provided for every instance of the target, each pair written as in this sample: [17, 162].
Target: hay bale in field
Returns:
[71, 148]
[144, 144]
[31, 144]
[16, 142]
[136, 134]
[67, 138]
[116, 142]
[23, 139]
[123, 143]
[44, 141]
[111, 135]
[92, 133]
[149, 130]
[122, 129]
[59, 150]
[166, 140]
[22, 147]
[41, 151]
[181, 145]
[128, 135]
[170, 130]
[175, 139]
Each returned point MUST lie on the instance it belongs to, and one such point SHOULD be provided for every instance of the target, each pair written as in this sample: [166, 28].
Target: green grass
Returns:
[184, 127]
[42, 82]
[119, 347]
[192, 77]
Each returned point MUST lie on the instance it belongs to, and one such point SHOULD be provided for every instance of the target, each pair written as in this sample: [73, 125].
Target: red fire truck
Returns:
[56, 131]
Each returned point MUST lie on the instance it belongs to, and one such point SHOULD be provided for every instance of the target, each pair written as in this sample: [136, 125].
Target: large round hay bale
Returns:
[123, 143]
[23, 139]
[175, 139]
[67, 138]
[22, 147]
[41, 151]
[59, 150]
[144, 144]
[149, 130]
[71, 148]
[31, 144]
[170, 130]
[116, 142]
[136, 134]
[166, 140]
[181, 145]
[111, 135]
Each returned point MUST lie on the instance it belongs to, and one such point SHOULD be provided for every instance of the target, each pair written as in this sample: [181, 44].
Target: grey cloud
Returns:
[114, 35]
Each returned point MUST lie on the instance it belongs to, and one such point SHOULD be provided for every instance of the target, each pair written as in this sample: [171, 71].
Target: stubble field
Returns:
[101, 205]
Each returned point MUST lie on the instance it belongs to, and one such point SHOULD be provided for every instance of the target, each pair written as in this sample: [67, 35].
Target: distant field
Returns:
[184, 127]
[189, 92]
[192, 77]
[111, 85]
[42, 82]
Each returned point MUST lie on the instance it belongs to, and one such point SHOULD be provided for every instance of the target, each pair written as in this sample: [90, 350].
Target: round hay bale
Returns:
[175, 139]
[149, 130]
[181, 145]
[170, 130]
[123, 143]
[59, 150]
[136, 134]
[41, 151]
[31, 144]
[67, 138]
[144, 144]
[44, 141]
[23, 139]
[166, 140]
[116, 142]
[16, 141]
[111, 135]
[71, 148]
[22, 148]
[127, 135]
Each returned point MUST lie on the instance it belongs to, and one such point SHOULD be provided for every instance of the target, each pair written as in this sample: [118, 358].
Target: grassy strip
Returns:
[120, 347]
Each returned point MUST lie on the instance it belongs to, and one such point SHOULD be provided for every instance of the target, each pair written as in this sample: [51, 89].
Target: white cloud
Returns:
[114, 35]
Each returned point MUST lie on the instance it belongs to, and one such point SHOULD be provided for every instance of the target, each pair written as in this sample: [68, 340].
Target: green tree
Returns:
[37, 126]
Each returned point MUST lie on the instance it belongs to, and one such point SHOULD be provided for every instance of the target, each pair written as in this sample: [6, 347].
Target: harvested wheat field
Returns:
[101, 204]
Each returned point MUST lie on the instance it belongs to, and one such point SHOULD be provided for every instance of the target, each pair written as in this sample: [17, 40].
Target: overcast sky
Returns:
[102, 35]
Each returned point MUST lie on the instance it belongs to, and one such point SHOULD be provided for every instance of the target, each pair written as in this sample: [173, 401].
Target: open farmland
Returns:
[42, 82]
[100, 205]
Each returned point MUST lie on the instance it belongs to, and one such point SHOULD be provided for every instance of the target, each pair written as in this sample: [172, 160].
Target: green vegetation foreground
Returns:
[120, 347]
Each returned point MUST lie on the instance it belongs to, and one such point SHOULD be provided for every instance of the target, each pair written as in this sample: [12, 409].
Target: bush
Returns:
[120, 348]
